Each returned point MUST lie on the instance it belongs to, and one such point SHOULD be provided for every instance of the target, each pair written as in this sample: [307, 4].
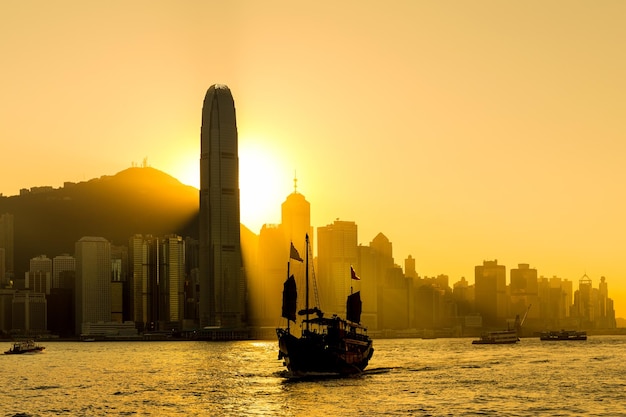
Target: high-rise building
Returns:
[29, 312]
[39, 276]
[60, 264]
[172, 280]
[139, 255]
[222, 283]
[7, 243]
[524, 291]
[93, 281]
[337, 252]
[490, 292]
[296, 220]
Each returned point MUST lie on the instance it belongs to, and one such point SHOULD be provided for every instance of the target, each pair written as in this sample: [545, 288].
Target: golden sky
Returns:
[462, 130]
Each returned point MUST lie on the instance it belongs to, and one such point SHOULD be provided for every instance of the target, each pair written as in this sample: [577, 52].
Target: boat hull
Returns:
[314, 354]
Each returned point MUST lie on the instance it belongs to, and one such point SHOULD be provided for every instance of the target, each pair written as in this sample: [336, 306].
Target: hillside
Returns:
[136, 200]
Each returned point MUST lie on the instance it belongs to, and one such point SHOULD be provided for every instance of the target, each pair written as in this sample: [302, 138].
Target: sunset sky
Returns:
[463, 130]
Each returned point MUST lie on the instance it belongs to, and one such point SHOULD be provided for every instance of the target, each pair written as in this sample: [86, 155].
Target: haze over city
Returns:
[462, 131]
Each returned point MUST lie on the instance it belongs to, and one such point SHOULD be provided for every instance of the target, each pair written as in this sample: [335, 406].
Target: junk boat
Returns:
[325, 345]
[28, 346]
[563, 335]
[502, 337]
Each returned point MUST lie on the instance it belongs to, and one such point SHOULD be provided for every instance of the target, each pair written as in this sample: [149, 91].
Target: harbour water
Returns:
[406, 377]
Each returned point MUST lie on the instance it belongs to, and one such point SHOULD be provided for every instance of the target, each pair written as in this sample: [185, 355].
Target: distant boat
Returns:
[326, 345]
[563, 335]
[499, 337]
[28, 346]
[502, 337]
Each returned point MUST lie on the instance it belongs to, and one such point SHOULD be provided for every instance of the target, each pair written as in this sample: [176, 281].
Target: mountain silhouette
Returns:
[137, 200]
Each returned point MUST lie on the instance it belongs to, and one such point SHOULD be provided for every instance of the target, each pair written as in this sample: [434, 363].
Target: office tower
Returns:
[584, 302]
[157, 271]
[171, 281]
[222, 284]
[139, 262]
[3, 282]
[296, 219]
[7, 243]
[93, 282]
[409, 268]
[62, 266]
[119, 263]
[39, 276]
[524, 291]
[337, 251]
[490, 292]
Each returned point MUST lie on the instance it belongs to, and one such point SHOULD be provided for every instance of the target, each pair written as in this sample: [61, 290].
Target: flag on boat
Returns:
[294, 254]
[353, 274]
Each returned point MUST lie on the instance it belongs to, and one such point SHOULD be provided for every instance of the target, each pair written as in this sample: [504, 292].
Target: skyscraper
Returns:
[93, 281]
[61, 264]
[337, 250]
[296, 220]
[7, 243]
[222, 284]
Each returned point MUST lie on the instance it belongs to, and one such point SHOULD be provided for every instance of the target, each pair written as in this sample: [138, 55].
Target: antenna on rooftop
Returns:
[295, 182]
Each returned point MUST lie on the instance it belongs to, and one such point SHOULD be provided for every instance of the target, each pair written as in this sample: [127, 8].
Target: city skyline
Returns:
[465, 133]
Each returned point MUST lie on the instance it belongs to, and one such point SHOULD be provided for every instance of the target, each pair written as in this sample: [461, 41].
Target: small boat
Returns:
[502, 337]
[326, 346]
[563, 335]
[28, 346]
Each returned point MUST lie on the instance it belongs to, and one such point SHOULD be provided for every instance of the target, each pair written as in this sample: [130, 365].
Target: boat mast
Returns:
[307, 282]
[288, 263]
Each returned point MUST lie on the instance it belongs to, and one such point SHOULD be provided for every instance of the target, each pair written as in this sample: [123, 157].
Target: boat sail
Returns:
[326, 345]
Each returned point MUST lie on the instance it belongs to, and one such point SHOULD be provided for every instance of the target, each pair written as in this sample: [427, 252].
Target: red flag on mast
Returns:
[353, 274]
[294, 254]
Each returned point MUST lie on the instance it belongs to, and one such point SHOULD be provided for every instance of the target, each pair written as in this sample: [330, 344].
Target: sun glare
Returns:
[261, 179]
[189, 174]
[263, 183]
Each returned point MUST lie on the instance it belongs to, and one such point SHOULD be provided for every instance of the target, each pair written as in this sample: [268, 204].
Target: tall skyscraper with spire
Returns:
[222, 284]
[296, 219]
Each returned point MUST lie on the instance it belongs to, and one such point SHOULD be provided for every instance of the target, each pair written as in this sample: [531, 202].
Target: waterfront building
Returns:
[139, 260]
[93, 281]
[29, 313]
[3, 281]
[222, 281]
[295, 220]
[524, 291]
[62, 265]
[39, 276]
[490, 292]
[157, 275]
[336, 253]
[7, 243]
[171, 282]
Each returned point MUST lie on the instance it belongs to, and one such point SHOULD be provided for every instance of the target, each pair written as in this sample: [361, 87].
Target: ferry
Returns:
[28, 346]
[499, 337]
[563, 335]
[502, 337]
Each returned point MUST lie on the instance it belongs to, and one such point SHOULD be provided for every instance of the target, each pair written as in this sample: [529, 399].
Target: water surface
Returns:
[405, 377]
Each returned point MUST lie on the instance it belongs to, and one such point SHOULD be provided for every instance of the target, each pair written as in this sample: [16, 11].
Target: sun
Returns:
[261, 179]
[263, 182]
